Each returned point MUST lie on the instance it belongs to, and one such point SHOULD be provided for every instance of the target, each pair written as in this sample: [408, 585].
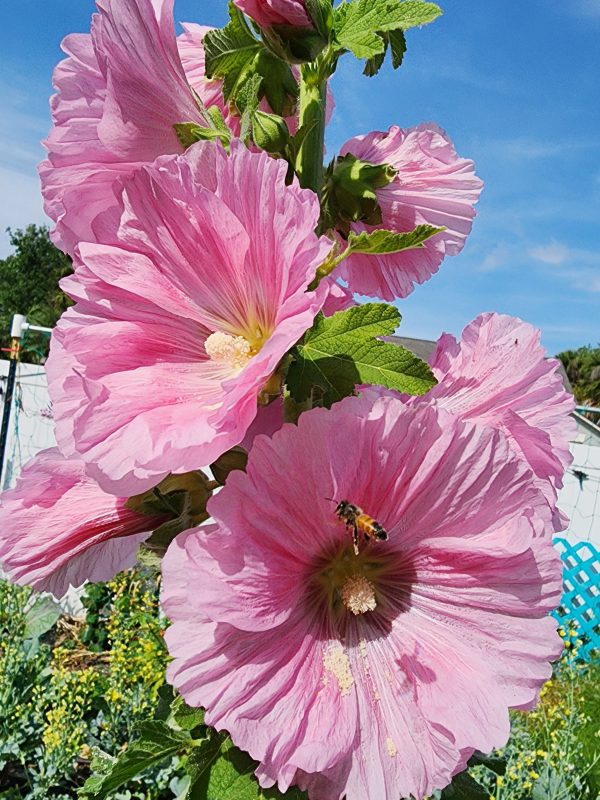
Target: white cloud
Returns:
[555, 253]
[495, 259]
[526, 148]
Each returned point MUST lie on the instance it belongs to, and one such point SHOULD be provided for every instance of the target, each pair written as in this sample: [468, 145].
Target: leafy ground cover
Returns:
[71, 688]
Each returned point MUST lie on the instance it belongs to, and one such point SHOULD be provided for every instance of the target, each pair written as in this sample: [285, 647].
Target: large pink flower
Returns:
[193, 293]
[434, 186]
[276, 12]
[498, 375]
[59, 529]
[119, 94]
[373, 675]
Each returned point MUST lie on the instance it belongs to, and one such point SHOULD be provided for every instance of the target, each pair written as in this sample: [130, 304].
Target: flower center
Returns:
[349, 581]
[232, 351]
[358, 595]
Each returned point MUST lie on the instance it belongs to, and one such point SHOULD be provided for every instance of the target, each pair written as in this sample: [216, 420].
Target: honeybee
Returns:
[359, 522]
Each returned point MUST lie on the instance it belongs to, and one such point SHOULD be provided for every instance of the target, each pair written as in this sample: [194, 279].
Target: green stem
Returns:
[313, 100]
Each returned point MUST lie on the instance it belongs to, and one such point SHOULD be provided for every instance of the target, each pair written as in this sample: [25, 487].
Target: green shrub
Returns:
[68, 686]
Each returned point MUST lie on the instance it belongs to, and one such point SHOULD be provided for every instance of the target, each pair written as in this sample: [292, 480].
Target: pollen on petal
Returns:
[391, 748]
[337, 663]
[358, 595]
[235, 351]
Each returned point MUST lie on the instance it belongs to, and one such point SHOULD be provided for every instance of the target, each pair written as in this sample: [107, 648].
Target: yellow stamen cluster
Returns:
[358, 595]
[233, 351]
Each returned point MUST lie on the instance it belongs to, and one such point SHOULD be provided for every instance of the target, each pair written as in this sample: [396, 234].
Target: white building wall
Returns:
[580, 496]
[31, 428]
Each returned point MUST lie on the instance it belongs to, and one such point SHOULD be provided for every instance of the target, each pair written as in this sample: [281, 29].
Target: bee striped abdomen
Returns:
[371, 528]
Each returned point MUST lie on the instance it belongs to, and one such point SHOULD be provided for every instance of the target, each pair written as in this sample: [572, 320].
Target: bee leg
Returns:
[355, 539]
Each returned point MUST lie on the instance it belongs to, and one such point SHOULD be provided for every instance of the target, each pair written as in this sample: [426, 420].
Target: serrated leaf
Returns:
[247, 101]
[383, 241]
[235, 55]
[230, 52]
[279, 86]
[232, 775]
[341, 351]
[464, 787]
[186, 717]
[398, 46]
[156, 743]
[495, 763]
[358, 24]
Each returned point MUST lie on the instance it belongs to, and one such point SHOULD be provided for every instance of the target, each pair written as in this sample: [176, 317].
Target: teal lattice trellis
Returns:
[581, 599]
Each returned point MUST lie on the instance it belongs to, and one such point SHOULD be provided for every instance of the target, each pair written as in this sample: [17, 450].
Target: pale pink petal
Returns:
[199, 243]
[119, 92]
[59, 529]
[276, 12]
[339, 297]
[434, 186]
[498, 374]
[455, 603]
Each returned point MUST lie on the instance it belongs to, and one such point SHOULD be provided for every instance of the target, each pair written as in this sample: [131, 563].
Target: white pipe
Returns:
[28, 327]
[19, 324]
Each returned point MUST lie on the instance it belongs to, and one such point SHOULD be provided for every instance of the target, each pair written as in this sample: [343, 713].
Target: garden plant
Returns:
[355, 545]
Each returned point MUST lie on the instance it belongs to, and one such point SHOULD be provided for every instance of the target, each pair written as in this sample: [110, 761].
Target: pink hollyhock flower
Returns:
[334, 670]
[120, 91]
[339, 297]
[498, 375]
[193, 293]
[276, 12]
[59, 529]
[434, 186]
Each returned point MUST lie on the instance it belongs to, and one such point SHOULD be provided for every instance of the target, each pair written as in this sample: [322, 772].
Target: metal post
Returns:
[15, 349]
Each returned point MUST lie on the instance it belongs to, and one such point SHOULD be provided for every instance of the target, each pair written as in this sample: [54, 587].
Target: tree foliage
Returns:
[29, 285]
[583, 369]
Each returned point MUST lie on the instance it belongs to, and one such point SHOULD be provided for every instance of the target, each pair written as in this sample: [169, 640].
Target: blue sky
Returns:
[514, 83]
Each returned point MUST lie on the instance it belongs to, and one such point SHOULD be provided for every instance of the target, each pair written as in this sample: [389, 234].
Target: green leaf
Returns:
[156, 742]
[186, 717]
[232, 775]
[341, 351]
[247, 101]
[398, 46]
[495, 763]
[394, 41]
[279, 86]
[220, 771]
[383, 241]
[230, 52]
[321, 13]
[358, 24]
[464, 787]
[235, 55]
[189, 133]
[41, 617]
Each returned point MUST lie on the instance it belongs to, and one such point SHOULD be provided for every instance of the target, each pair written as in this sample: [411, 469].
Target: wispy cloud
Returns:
[588, 8]
[578, 266]
[526, 148]
[496, 259]
[552, 253]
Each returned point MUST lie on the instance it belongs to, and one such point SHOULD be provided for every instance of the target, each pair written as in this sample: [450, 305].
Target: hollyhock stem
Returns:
[313, 96]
